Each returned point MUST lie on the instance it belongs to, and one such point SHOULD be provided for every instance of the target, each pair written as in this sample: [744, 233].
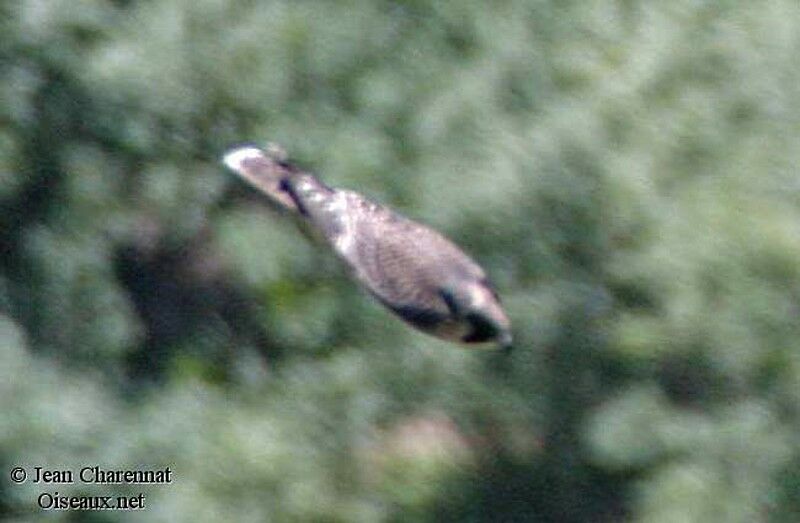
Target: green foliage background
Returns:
[627, 171]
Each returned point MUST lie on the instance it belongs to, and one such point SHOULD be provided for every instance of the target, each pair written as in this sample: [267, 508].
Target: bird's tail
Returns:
[267, 170]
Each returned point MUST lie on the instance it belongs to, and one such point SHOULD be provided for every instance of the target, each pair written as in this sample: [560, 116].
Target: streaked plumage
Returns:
[413, 270]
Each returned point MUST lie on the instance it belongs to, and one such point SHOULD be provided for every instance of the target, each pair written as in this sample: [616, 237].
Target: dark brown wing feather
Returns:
[405, 264]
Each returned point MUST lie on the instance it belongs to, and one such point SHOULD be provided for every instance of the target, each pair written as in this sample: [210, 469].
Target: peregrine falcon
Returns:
[413, 270]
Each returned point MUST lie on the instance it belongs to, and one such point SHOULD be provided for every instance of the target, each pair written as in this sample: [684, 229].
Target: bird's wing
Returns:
[403, 263]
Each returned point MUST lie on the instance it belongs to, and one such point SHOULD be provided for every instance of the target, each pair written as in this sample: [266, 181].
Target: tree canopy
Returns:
[626, 171]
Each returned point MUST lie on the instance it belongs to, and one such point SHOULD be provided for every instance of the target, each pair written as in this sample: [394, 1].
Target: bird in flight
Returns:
[414, 271]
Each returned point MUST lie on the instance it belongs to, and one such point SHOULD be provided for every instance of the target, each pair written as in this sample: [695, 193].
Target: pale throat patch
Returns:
[337, 207]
